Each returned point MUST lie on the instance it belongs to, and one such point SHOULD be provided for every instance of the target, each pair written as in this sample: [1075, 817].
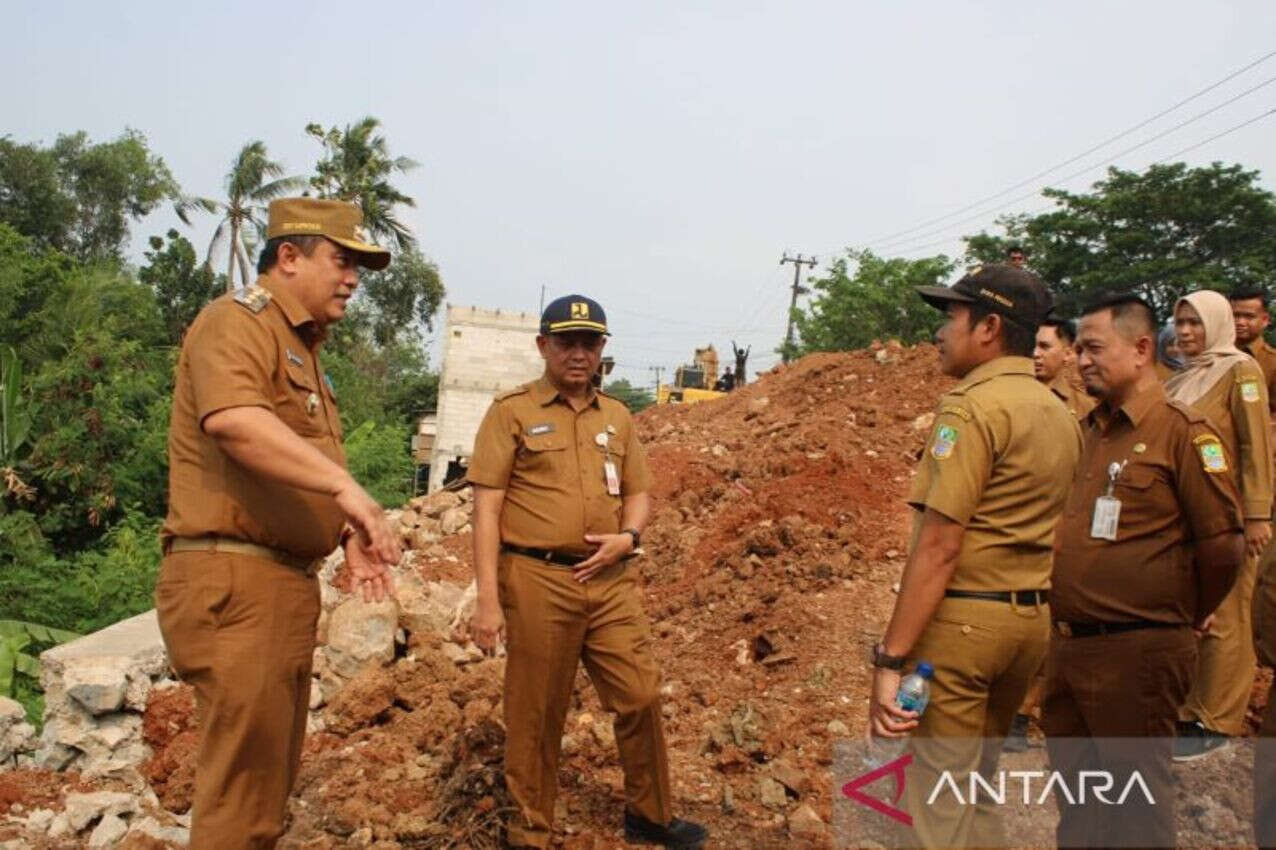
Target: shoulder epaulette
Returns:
[519, 390]
[1191, 414]
[254, 297]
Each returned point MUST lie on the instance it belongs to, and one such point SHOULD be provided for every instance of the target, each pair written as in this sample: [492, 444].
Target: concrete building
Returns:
[485, 352]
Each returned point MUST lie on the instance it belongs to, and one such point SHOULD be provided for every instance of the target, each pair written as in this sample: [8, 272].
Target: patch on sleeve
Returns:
[945, 440]
[1212, 457]
[1249, 390]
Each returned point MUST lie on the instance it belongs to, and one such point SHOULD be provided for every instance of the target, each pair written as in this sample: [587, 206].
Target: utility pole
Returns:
[798, 289]
[541, 309]
[657, 370]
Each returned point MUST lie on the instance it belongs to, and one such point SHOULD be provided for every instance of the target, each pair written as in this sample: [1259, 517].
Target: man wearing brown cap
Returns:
[972, 600]
[258, 495]
[560, 501]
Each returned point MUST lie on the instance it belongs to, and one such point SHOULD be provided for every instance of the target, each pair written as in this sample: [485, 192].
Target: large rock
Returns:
[150, 827]
[428, 605]
[83, 809]
[17, 736]
[436, 503]
[95, 689]
[361, 633]
[108, 832]
[453, 520]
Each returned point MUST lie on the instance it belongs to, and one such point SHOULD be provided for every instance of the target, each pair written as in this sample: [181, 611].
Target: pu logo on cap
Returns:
[580, 310]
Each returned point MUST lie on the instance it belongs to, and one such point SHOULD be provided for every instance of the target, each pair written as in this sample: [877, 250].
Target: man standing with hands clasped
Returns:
[258, 495]
[1150, 542]
[560, 501]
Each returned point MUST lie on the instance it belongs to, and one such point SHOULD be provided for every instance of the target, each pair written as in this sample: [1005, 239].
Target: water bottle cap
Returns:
[925, 670]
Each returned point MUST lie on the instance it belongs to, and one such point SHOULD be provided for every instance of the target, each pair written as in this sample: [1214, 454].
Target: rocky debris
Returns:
[361, 633]
[805, 823]
[771, 794]
[17, 736]
[95, 690]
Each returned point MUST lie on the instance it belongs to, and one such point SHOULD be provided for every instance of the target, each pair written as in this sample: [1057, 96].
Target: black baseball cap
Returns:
[573, 313]
[1017, 294]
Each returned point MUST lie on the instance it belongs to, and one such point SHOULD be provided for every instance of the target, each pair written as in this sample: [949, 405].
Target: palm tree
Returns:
[247, 194]
[356, 167]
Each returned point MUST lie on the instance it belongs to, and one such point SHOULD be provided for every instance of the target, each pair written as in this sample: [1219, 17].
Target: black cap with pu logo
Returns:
[1015, 293]
[573, 313]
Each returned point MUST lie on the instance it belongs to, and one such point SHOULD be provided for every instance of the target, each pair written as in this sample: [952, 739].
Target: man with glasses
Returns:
[560, 500]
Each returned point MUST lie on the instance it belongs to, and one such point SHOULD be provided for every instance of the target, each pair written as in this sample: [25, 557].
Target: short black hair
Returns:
[1016, 339]
[1065, 328]
[1246, 293]
[1126, 307]
[1014, 249]
[270, 251]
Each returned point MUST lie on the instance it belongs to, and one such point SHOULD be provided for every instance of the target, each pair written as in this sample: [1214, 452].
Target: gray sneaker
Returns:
[1194, 741]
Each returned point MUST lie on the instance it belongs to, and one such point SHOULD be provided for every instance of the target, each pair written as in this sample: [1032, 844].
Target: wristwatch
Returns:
[879, 658]
[633, 532]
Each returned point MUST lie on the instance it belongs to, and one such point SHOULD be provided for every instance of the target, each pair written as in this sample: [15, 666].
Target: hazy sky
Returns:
[657, 156]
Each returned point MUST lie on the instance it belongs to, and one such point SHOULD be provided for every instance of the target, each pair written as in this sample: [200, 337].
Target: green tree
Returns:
[357, 166]
[405, 296]
[635, 398]
[80, 197]
[254, 180]
[1168, 230]
[875, 300]
[181, 284]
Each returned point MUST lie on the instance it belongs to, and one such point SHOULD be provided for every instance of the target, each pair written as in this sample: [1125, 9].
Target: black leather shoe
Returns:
[678, 834]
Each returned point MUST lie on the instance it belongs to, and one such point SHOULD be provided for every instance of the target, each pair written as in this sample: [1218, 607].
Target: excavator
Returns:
[692, 382]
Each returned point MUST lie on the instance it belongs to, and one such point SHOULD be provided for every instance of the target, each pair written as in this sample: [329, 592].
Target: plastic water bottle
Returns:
[913, 695]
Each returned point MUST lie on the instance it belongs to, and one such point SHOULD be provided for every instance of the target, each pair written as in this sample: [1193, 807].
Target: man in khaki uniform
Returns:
[1149, 543]
[258, 494]
[1249, 308]
[972, 599]
[560, 501]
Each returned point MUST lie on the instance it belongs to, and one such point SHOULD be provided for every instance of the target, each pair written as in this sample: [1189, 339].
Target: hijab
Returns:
[1218, 357]
[1163, 341]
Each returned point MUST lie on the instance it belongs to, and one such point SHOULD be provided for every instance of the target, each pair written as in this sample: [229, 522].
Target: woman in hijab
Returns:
[1168, 357]
[1227, 386]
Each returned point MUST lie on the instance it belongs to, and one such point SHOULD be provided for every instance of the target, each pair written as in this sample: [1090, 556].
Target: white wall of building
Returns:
[485, 352]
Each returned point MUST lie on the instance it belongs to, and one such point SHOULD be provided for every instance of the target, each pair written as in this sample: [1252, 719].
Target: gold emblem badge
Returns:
[1249, 391]
[312, 404]
[1140, 448]
[580, 310]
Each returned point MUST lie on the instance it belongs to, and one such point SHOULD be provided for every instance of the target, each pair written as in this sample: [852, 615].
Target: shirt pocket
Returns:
[1140, 490]
[301, 406]
[543, 458]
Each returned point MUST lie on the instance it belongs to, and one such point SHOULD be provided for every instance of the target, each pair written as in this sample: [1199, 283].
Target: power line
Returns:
[1079, 156]
[897, 244]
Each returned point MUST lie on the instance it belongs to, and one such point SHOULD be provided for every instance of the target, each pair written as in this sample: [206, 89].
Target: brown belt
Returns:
[309, 566]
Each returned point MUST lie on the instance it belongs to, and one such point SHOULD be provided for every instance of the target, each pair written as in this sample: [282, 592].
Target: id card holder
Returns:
[613, 478]
[1107, 515]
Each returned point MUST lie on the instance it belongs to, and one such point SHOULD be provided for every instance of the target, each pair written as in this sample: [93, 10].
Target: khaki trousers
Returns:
[985, 654]
[241, 632]
[552, 623]
[1126, 686]
[1226, 665]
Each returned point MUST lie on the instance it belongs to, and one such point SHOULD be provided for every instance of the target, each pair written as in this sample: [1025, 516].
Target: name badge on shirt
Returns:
[1107, 508]
[1107, 515]
[613, 479]
[537, 430]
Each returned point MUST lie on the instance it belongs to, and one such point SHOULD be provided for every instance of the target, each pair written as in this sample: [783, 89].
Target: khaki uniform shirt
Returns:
[1078, 402]
[999, 461]
[1261, 351]
[548, 460]
[1163, 372]
[234, 356]
[1177, 487]
[1237, 405]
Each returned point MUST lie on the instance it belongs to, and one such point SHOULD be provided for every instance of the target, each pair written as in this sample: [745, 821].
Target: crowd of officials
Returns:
[1091, 556]
[1088, 557]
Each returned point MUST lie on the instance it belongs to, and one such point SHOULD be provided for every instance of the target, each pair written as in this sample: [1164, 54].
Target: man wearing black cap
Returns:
[972, 599]
[560, 501]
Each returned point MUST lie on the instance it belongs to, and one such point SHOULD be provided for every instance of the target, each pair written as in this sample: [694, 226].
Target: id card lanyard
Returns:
[1107, 508]
[609, 466]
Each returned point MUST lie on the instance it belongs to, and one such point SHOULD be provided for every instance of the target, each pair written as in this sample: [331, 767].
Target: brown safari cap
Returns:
[337, 220]
[1017, 294]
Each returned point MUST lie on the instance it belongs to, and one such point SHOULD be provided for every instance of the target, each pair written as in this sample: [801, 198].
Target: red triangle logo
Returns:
[892, 768]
